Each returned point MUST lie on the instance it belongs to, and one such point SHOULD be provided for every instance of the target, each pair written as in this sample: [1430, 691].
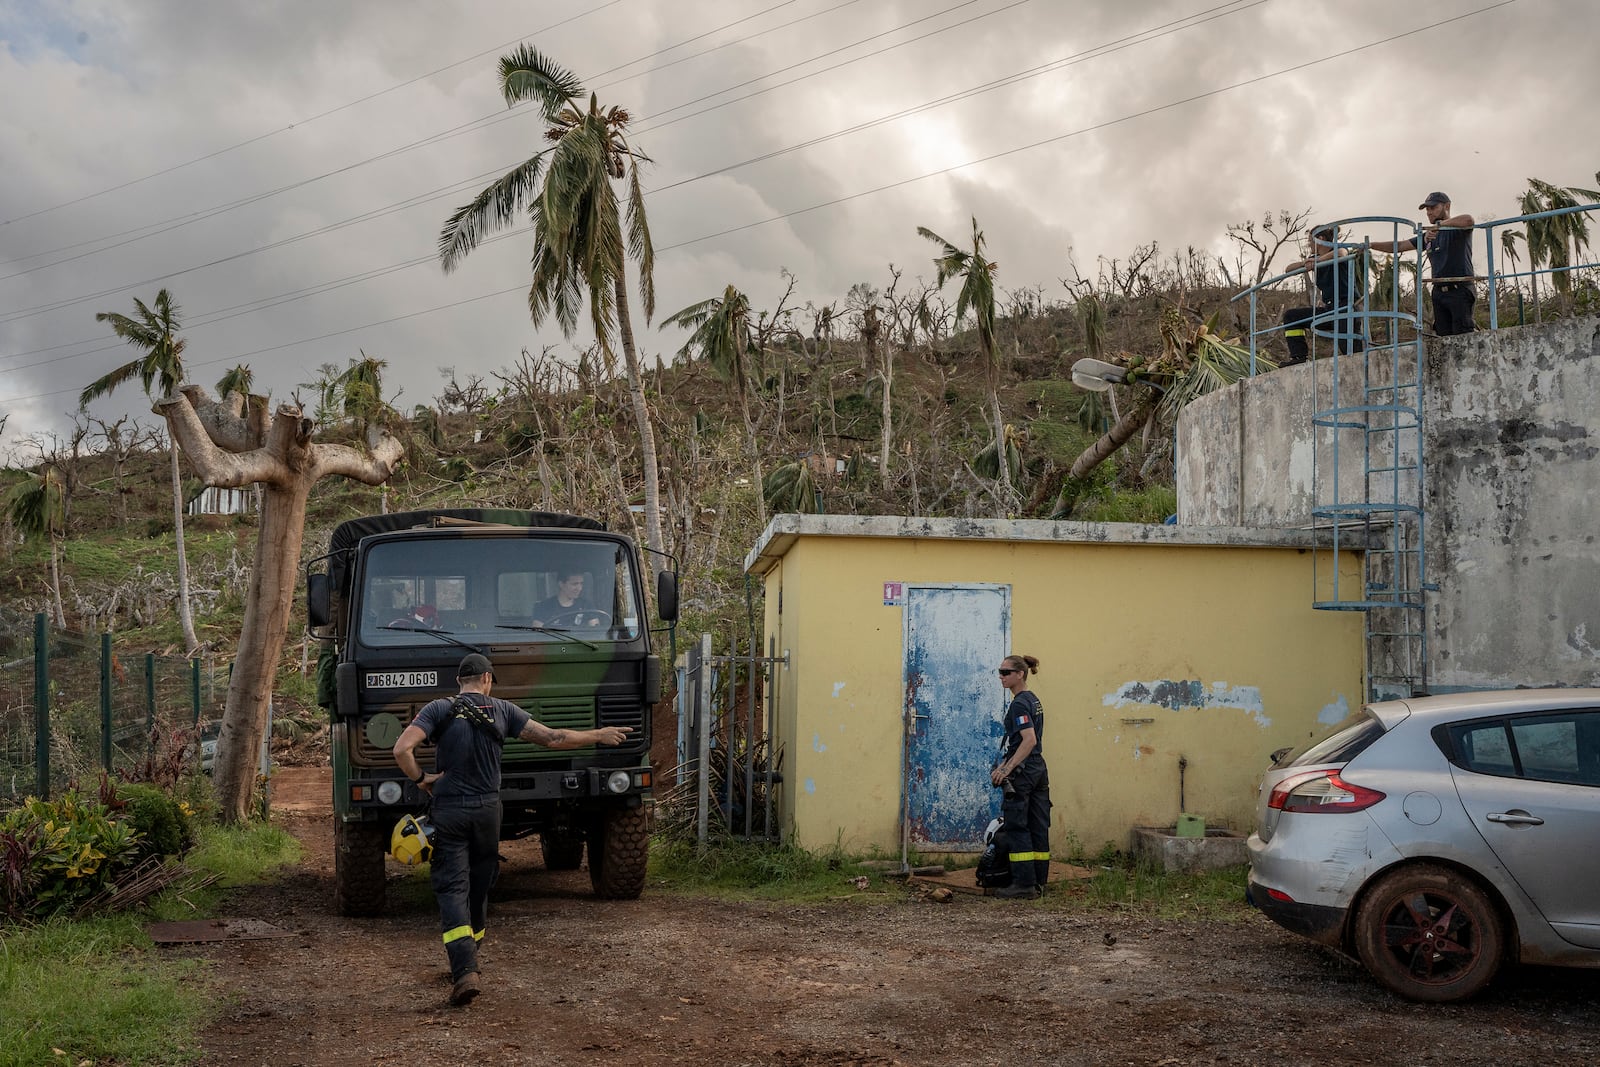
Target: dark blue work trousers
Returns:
[466, 857]
[1027, 826]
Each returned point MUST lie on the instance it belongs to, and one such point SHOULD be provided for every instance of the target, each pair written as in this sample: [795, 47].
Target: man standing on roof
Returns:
[1447, 240]
[468, 731]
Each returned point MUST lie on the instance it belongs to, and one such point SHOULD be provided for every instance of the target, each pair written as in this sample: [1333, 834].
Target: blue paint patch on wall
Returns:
[836, 687]
[811, 785]
[1336, 712]
[1175, 695]
[816, 743]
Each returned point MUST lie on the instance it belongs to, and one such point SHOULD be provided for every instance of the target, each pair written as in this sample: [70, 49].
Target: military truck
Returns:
[399, 599]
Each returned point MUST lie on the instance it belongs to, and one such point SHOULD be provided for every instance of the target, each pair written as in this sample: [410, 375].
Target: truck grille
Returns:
[622, 711]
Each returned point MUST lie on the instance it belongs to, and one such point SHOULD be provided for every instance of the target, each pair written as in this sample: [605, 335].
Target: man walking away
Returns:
[468, 732]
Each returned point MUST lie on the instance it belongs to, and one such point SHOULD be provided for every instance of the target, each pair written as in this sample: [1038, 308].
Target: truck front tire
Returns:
[562, 852]
[619, 850]
[358, 876]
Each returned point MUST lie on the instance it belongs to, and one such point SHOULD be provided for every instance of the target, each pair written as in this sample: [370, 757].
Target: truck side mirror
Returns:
[667, 596]
[319, 596]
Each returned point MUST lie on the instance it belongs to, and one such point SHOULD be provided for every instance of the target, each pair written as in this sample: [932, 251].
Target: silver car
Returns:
[1436, 838]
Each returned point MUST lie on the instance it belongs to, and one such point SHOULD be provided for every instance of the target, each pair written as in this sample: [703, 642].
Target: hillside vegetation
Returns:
[553, 431]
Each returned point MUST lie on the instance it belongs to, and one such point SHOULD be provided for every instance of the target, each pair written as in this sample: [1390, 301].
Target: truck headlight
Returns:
[389, 792]
[619, 781]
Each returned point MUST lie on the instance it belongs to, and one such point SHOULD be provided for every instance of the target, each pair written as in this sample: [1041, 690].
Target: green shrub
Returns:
[56, 854]
[164, 827]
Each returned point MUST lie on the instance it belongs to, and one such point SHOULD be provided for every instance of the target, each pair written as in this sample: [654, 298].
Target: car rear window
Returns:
[1347, 741]
[1558, 747]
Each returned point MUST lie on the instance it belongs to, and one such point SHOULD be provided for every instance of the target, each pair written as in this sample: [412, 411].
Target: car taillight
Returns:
[1321, 791]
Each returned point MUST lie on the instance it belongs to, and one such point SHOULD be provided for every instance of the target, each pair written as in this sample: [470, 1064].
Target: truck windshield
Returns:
[537, 590]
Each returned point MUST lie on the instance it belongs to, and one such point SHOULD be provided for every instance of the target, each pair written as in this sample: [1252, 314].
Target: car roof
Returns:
[1449, 707]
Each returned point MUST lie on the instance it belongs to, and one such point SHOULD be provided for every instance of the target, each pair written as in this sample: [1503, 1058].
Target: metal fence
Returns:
[727, 748]
[72, 704]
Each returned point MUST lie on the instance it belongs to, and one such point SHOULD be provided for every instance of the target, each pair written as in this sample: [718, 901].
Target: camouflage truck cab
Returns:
[405, 596]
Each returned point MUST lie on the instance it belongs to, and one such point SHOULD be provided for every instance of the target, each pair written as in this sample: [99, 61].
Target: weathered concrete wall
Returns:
[1512, 438]
[1252, 454]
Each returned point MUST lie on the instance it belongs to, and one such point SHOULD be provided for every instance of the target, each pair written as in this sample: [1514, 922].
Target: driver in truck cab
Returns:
[468, 732]
[566, 608]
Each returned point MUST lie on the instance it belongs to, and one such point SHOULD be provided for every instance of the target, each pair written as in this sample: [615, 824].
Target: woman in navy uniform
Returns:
[1026, 807]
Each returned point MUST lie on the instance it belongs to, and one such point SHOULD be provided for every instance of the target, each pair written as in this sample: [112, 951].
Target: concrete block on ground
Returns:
[1162, 847]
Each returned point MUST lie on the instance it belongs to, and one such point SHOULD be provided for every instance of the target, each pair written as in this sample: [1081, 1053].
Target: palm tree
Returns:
[1193, 361]
[155, 330]
[359, 392]
[237, 380]
[977, 295]
[1560, 241]
[581, 240]
[723, 336]
[37, 508]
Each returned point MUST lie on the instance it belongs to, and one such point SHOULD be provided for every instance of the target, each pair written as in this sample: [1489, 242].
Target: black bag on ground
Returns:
[994, 866]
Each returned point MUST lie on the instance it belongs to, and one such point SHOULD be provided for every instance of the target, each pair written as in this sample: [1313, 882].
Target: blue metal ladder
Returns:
[1374, 402]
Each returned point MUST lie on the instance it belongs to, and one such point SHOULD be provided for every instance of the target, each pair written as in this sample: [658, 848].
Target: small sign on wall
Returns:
[894, 594]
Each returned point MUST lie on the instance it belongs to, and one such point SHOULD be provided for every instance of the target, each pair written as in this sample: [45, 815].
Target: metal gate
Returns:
[727, 725]
[955, 637]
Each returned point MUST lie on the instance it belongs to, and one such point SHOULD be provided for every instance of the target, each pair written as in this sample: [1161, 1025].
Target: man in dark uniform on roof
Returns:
[468, 731]
[1337, 289]
[1447, 240]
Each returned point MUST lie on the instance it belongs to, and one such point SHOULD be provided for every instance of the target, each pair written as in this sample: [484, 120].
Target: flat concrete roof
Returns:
[784, 530]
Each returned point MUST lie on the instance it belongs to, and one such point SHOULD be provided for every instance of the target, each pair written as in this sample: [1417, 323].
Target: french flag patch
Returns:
[1023, 720]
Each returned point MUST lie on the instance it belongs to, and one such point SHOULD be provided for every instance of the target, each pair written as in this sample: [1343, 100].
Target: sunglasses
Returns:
[1007, 670]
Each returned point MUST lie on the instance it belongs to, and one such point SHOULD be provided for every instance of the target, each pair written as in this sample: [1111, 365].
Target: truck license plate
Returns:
[402, 679]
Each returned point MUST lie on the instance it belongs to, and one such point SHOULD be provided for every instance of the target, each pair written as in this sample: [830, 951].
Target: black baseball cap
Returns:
[1434, 198]
[474, 665]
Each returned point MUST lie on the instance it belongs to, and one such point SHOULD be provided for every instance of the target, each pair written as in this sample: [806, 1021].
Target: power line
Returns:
[1115, 45]
[895, 185]
[38, 309]
[1142, 37]
[482, 122]
[1085, 129]
[305, 121]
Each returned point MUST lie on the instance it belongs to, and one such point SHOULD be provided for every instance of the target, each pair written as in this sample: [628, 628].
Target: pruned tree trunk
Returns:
[230, 451]
[191, 644]
[647, 434]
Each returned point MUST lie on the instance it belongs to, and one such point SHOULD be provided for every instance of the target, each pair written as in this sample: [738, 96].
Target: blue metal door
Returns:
[955, 637]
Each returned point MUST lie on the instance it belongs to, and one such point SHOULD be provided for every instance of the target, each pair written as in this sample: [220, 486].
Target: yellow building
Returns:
[1173, 659]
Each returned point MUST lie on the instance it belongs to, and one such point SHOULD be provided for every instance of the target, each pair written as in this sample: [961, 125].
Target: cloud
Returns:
[277, 97]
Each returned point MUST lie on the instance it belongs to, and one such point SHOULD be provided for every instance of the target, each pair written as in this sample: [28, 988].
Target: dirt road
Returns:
[670, 980]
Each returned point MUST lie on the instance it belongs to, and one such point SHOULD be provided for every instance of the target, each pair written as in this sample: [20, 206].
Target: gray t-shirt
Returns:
[467, 756]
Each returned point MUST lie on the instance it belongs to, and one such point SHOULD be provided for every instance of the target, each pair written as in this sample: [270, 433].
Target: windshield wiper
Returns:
[565, 635]
[443, 635]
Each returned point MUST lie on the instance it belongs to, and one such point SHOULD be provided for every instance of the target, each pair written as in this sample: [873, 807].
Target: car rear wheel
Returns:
[1429, 934]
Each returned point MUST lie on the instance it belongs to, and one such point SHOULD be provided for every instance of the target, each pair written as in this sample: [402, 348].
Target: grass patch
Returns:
[1129, 505]
[236, 855]
[97, 991]
[1140, 889]
[739, 871]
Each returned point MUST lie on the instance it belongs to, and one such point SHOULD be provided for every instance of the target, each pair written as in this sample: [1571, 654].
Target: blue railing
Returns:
[1337, 325]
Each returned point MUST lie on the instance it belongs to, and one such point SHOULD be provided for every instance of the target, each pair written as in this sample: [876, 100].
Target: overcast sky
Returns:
[201, 146]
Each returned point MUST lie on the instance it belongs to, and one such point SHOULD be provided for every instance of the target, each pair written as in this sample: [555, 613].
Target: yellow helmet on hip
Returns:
[412, 840]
